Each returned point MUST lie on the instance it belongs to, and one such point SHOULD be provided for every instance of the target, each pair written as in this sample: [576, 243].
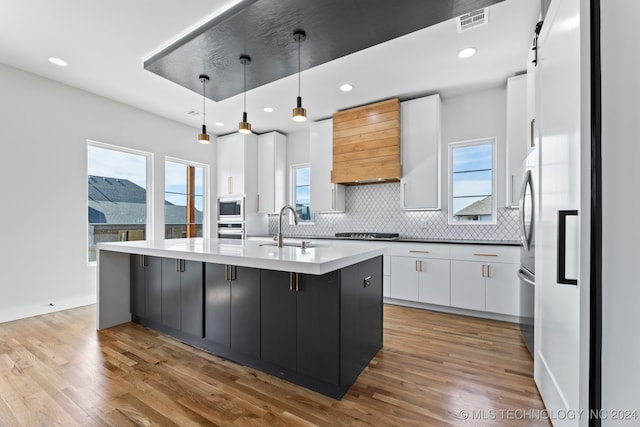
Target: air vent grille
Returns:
[473, 19]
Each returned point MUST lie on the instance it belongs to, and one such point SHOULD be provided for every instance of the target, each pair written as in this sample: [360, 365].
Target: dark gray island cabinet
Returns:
[315, 330]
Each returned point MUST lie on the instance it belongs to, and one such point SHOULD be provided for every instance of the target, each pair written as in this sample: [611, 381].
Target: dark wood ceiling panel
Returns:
[264, 29]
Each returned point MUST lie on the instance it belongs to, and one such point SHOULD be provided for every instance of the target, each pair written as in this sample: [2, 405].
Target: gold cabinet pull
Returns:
[290, 281]
[485, 254]
[297, 282]
[532, 126]
[416, 266]
[483, 271]
[420, 266]
[488, 270]
[415, 251]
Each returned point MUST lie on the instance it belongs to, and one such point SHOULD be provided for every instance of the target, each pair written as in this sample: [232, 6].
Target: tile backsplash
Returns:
[376, 208]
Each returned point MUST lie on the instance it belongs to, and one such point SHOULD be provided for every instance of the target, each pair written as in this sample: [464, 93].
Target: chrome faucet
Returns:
[295, 219]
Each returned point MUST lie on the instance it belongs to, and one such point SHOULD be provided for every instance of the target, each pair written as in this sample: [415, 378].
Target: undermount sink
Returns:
[292, 244]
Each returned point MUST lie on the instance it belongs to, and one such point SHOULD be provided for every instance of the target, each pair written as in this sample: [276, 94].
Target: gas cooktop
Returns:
[366, 235]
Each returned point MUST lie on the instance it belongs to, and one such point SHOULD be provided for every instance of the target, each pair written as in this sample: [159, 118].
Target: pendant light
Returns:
[244, 126]
[299, 113]
[203, 138]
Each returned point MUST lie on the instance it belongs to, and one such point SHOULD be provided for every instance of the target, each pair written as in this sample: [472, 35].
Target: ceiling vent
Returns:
[473, 19]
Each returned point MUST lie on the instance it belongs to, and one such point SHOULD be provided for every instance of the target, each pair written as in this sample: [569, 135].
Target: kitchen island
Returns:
[312, 315]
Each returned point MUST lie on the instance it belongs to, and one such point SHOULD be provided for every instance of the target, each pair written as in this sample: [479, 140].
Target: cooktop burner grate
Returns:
[368, 235]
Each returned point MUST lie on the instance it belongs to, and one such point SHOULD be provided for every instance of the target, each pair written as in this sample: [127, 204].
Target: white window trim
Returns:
[205, 191]
[292, 192]
[150, 211]
[494, 182]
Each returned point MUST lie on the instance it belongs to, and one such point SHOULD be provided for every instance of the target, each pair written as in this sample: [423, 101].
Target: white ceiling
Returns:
[104, 43]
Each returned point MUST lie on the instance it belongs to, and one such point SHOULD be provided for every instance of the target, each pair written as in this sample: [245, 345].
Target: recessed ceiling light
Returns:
[57, 61]
[219, 124]
[268, 109]
[346, 87]
[467, 52]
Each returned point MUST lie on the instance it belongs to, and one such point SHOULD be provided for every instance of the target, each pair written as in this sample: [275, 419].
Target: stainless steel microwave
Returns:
[231, 208]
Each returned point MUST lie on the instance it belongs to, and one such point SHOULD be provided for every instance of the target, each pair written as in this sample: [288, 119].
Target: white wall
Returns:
[476, 115]
[43, 184]
[621, 203]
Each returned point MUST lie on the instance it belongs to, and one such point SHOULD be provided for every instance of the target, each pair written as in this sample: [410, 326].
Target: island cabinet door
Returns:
[278, 318]
[145, 280]
[318, 320]
[361, 316]
[182, 300]
[137, 286]
[245, 310]
[191, 299]
[217, 313]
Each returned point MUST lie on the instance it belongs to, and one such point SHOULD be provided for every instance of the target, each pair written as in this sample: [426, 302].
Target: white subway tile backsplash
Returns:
[376, 208]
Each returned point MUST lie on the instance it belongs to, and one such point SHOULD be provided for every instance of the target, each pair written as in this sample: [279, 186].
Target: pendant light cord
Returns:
[244, 64]
[299, 65]
[204, 112]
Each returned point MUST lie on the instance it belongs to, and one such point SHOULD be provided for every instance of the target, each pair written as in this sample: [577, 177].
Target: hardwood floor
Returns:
[57, 370]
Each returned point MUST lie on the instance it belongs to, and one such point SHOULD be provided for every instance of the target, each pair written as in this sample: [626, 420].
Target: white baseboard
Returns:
[15, 313]
[453, 310]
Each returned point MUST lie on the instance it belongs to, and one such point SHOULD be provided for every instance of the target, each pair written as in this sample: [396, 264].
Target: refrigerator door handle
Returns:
[562, 247]
[526, 277]
[526, 182]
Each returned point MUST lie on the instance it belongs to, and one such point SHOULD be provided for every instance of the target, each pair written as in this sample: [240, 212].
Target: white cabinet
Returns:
[325, 196]
[272, 172]
[386, 276]
[237, 159]
[531, 102]
[420, 272]
[485, 278]
[421, 153]
[517, 136]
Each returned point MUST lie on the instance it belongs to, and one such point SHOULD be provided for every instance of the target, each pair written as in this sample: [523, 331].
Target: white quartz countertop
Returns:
[322, 258]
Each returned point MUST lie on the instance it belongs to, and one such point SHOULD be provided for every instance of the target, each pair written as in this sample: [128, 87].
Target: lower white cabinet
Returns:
[471, 277]
[485, 278]
[420, 279]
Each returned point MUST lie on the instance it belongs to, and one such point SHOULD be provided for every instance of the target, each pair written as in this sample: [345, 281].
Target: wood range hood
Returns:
[366, 144]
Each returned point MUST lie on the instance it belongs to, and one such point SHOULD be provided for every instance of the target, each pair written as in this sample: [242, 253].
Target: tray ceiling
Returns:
[264, 29]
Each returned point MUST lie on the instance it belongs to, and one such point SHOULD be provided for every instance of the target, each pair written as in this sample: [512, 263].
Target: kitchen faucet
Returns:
[295, 219]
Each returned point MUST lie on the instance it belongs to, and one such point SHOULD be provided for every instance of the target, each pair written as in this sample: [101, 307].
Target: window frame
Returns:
[494, 181]
[149, 189]
[292, 191]
[205, 191]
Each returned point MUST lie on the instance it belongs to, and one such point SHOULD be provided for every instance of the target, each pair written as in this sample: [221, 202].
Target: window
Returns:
[471, 182]
[184, 199]
[118, 196]
[301, 191]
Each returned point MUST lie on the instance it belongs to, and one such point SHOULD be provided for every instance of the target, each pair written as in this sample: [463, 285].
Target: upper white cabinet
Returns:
[272, 172]
[325, 196]
[421, 153]
[531, 101]
[517, 135]
[237, 163]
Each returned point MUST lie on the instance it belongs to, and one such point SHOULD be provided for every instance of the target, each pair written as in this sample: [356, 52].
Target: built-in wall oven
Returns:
[231, 230]
[231, 209]
[527, 271]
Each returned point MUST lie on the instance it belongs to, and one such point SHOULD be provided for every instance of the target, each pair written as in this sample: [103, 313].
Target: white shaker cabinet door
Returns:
[404, 278]
[434, 283]
[468, 285]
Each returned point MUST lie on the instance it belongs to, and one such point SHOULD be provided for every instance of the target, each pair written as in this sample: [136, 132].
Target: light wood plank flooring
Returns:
[57, 370]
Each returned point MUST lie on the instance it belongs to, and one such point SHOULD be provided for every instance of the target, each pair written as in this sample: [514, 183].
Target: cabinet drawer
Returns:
[486, 253]
[419, 250]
